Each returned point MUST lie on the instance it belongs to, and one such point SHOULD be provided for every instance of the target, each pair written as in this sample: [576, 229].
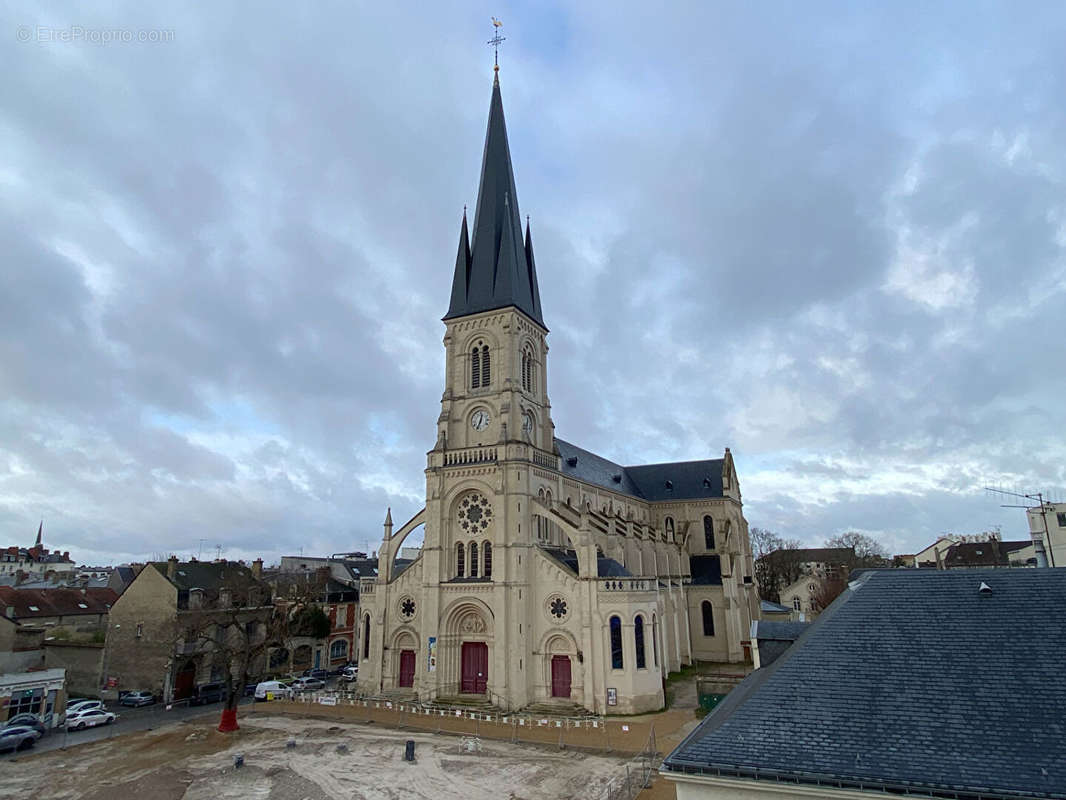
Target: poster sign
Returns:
[328, 701]
[612, 697]
[432, 651]
[112, 683]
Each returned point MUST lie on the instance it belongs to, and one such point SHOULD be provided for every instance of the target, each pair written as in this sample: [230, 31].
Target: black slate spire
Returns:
[498, 271]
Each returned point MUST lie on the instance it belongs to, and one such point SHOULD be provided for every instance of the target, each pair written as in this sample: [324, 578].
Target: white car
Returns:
[84, 705]
[308, 685]
[89, 718]
[350, 674]
[275, 689]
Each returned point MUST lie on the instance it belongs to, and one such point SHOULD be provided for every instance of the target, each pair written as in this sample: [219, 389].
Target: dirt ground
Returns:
[195, 762]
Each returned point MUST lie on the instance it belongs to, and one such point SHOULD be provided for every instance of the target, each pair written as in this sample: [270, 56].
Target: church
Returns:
[549, 575]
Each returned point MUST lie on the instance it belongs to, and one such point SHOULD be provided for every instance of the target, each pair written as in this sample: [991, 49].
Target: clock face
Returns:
[527, 422]
[479, 420]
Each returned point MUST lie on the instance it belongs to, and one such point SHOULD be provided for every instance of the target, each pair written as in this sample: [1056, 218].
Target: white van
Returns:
[272, 690]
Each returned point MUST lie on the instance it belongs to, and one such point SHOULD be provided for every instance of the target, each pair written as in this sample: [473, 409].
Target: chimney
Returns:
[257, 568]
[172, 568]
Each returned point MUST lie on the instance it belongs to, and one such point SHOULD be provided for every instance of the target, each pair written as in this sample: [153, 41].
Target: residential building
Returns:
[914, 683]
[169, 630]
[72, 610]
[1047, 528]
[548, 574]
[795, 575]
[777, 612]
[21, 646]
[41, 692]
[338, 600]
[990, 553]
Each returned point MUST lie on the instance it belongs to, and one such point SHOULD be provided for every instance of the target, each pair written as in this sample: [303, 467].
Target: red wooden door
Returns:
[407, 668]
[560, 676]
[475, 664]
[184, 681]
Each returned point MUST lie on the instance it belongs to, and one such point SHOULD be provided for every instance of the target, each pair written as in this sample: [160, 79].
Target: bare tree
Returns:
[777, 564]
[868, 551]
[235, 627]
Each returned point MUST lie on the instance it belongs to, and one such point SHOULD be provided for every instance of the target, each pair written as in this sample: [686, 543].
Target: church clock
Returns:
[480, 419]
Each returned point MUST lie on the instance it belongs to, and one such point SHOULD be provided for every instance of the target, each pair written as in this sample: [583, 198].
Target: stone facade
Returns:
[548, 575]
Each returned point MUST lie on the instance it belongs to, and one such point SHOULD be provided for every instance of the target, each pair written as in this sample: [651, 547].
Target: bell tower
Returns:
[496, 372]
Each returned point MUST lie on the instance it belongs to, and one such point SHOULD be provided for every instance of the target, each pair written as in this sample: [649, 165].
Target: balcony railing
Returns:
[627, 584]
[470, 455]
[546, 460]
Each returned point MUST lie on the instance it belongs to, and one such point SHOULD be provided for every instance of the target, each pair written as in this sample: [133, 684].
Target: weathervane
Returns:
[495, 42]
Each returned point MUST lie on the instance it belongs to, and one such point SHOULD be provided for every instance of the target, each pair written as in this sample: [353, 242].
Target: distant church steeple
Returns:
[495, 268]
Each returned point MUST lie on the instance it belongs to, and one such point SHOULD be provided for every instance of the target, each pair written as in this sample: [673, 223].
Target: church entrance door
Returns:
[475, 662]
[560, 676]
[407, 668]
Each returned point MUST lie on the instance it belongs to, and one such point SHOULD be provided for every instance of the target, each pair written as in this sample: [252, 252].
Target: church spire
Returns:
[499, 272]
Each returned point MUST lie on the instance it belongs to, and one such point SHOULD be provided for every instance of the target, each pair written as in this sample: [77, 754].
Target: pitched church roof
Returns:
[682, 480]
[494, 267]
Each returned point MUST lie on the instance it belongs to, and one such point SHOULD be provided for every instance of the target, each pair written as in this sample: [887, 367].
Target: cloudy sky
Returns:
[830, 237]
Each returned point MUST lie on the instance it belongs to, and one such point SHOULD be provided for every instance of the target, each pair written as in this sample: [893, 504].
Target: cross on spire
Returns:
[495, 41]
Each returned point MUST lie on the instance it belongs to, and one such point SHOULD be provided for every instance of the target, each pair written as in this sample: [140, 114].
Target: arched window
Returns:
[708, 532]
[655, 640]
[338, 650]
[638, 639]
[366, 636]
[486, 558]
[708, 618]
[475, 368]
[460, 560]
[486, 375]
[669, 526]
[616, 643]
[473, 559]
[796, 603]
[527, 370]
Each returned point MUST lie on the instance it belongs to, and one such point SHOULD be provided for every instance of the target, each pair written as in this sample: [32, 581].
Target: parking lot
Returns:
[128, 720]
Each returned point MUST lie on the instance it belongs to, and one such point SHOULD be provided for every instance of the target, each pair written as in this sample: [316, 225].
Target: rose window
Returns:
[558, 607]
[475, 513]
[407, 607]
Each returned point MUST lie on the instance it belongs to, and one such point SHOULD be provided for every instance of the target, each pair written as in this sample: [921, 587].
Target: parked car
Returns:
[83, 705]
[137, 699]
[18, 737]
[89, 719]
[308, 684]
[268, 690]
[321, 674]
[208, 693]
[350, 674]
[27, 721]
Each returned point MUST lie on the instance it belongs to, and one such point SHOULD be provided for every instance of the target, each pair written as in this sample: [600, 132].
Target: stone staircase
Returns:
[557, 710]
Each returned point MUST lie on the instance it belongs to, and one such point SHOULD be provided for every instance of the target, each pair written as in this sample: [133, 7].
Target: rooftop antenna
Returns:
[1041, 505]
[496, 41]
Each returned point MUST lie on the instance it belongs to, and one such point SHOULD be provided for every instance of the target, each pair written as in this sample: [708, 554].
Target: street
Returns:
[129, 720]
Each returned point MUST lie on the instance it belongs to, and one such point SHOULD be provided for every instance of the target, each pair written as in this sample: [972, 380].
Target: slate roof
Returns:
[605, 567]
[912, 681]
[769, 607]
[494, 267]
[782, 631]
[206, 575]
[982, 554]
[55, 602]
[683, 480]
